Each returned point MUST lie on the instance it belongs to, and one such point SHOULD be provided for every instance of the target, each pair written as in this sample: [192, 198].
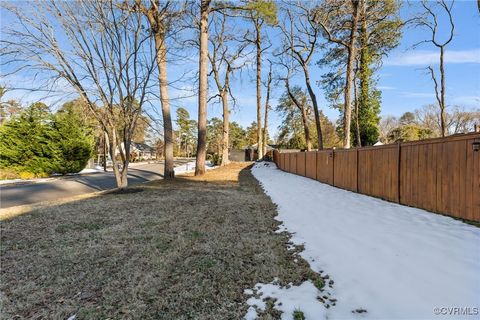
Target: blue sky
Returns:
[403, 80]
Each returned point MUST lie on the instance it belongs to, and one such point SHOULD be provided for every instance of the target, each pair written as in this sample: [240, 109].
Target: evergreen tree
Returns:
[74, 140]
[27, 141]
[185, 133]
[237, 136]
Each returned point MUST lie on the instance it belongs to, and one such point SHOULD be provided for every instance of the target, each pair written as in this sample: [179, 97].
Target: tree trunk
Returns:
[313, 97]
[120, 176]
[265, 126]
[226, 129]
[347, 113]
[267, 106]
[264, 132]
[357, 122]
[105, 148]
[125, 163]
[203, 89]
[308, 140]
[306, 129]
[442, 94]
[168, 172]
[362, 91]
[124, 178]
[259, 92]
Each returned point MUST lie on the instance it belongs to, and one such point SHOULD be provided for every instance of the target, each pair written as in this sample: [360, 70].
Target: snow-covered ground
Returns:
[393, 261]
[190, 167]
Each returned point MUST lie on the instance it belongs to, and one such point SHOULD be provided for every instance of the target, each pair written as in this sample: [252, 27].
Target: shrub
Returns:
[38, 143]
[74, 141]
[27, 141]
[8, 174]
[24, 175]
[215, 159]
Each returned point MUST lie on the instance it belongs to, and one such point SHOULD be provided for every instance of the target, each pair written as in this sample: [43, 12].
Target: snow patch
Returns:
[387, 261]
[190, 167]
[93, 170]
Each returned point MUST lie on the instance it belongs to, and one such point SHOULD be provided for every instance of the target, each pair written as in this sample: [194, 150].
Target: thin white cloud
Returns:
[417, 94]
[385, 88]
[423, 57]
[470, 101]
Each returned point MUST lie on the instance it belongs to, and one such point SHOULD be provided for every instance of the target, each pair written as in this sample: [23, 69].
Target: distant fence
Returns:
[440, 175]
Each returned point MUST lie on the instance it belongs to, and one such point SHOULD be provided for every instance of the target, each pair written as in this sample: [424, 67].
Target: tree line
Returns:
[37, 142]
[115, 55]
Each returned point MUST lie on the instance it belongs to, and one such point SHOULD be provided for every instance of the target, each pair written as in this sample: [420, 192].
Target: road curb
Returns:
[11, 212]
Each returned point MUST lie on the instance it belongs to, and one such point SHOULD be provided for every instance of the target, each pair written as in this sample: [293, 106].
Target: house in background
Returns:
[138, 152]
[141, 151]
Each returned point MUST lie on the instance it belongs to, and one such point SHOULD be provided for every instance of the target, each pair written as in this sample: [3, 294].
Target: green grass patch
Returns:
[298, 315]
[205, 263]
[81, 226]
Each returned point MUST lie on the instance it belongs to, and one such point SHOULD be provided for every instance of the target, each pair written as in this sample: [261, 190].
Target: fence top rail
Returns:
[456, 137]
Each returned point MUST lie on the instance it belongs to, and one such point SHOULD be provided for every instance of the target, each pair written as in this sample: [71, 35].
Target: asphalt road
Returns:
[20, 194]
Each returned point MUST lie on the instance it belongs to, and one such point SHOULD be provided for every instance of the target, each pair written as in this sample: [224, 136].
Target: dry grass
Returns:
[176, 250]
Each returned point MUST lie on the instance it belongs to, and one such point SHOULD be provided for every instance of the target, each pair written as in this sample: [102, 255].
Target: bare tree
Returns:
[257, 41]
[267, 107]
[387, 124]
[457, 119]
[301, 32]
[302, 106]
[205, 10]
[160, 16]
[260, 13]
[339, 22]
[225, 53]
[430, 20]
[8, 108]
[96, 48]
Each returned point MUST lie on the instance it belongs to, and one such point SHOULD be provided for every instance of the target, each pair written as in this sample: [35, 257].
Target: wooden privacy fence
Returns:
[440, 175]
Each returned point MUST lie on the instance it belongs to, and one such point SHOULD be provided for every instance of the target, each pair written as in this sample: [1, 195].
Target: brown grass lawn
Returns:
[169, 250]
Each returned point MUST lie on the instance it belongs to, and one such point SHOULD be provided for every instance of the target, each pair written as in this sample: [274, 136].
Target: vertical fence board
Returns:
[311, 164]
[301, 158]
[378, 172]
[324, 166]
[293, 163]
[345, 170]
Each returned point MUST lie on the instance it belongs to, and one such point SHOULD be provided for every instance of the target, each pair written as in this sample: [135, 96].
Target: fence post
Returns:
[399, 171]
[358, 166]
[305, 165]
[333, 167]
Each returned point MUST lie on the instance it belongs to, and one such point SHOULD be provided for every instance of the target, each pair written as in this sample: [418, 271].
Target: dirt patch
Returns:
[184, 249]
